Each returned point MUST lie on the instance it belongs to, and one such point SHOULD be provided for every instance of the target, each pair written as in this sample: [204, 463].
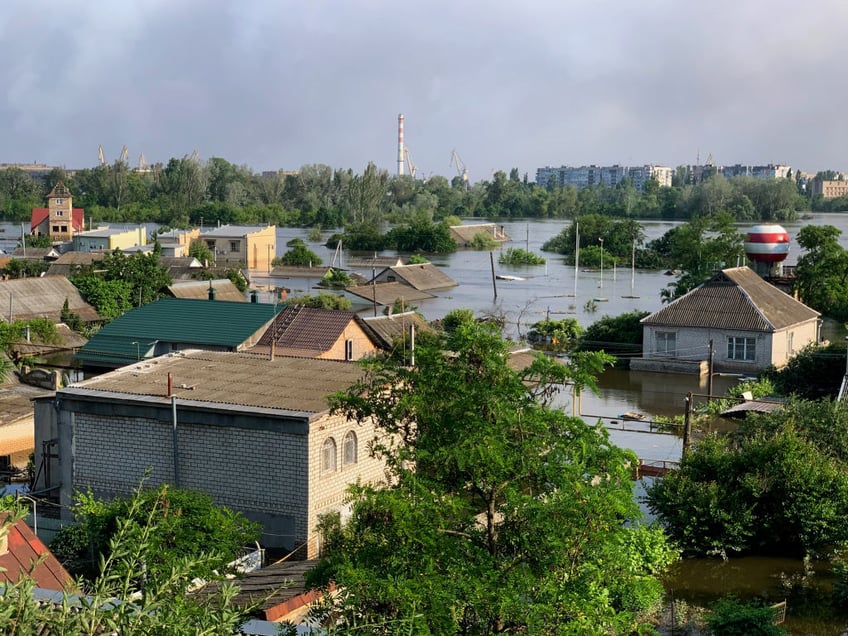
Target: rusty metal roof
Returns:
[285, 385]
[735, 298]
[43, 297]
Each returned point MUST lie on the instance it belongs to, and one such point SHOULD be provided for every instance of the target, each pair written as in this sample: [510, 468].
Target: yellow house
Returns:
[106, 239]
[252, 246]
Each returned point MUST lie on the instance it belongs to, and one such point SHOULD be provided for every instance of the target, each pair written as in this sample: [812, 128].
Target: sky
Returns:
[277, 84]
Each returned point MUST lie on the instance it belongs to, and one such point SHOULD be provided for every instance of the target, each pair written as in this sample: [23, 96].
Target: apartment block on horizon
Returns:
[609, 176]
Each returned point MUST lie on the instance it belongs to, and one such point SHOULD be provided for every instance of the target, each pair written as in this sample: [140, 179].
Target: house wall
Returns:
[328, 490]
[254, 249]
[362, 344]
[771, 348]
[693, 344]
[256, 465]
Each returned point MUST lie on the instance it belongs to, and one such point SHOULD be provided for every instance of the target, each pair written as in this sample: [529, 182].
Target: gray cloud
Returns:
[276, 84]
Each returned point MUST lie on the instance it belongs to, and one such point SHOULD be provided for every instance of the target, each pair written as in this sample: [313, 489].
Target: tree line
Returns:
[189, 191]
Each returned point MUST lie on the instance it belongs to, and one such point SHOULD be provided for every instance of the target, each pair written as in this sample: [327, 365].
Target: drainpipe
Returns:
[175, 438]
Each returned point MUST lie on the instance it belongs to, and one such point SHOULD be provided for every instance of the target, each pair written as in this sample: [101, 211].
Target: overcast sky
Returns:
[281, 83]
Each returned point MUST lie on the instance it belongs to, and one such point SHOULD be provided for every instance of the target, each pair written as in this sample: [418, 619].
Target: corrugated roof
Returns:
[224, 290]
[390, 328]
[43, 297]
[423, 276]
[185, 322]
[388, 293]
[753, 406]
[235, 231]
[306, 329]
[735, 298]
[290, 271]
[287, 385]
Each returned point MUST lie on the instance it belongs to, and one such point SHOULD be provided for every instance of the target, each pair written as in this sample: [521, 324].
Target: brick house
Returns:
[59, 220]
[254, 432]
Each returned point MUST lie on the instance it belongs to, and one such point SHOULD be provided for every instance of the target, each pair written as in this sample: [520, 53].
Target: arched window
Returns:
[328, 456]
[349, 449]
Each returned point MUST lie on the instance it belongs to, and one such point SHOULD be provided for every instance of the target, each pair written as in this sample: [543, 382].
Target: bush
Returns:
[324, 300]
[518, 256]
[483, 241]
[731, 617]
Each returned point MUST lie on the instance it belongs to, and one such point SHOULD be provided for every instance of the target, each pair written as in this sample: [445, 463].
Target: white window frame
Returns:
[663, 338]
[741, 348]
[350, 449]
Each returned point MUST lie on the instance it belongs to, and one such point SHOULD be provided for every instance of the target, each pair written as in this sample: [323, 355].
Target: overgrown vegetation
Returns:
[323, 300]
[518, 256]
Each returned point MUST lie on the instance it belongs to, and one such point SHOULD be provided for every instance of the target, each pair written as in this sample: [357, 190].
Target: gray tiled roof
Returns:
[243, 380]
[389, 328]
[735, 298]
[388, 293]
[43, 297]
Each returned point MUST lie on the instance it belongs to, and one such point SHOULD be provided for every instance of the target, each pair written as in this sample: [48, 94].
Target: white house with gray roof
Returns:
[751, 323]
[253, 431]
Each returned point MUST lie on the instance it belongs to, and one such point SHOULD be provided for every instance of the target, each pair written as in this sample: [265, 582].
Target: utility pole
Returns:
[687, 425]
[710, 369]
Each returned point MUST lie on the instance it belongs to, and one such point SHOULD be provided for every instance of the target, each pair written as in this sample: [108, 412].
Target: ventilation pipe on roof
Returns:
[254, 296]
[211, 291]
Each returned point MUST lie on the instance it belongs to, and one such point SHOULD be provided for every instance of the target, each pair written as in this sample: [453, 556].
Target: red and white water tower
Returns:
[767, 246]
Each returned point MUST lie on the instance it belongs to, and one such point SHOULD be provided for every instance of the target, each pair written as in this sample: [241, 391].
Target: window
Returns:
[667, 342]
[790, 343]
[348, 349]
[60, 212]
[58, 201]
[235, 246]
[328, 456]
[210, 245]
[55, 229]
[742, 349]
[390, 278]
[349, 449]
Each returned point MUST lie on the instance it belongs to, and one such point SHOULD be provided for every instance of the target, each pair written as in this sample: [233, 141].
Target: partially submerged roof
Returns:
[224, 290]
[466, 233]
[186, 322]
[388, 293]
[735, 298]
[389, 328]
[233, 231]
[217, 379]
[421, 276]
[753, 406]
[43, 297]
[26, 556]
[292, 271]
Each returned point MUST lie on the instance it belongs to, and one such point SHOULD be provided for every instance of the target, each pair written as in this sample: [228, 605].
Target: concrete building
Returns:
[829, 189]
[253, 247]
[254, 432]
[608, 176]
[106, 239]
[751, 323]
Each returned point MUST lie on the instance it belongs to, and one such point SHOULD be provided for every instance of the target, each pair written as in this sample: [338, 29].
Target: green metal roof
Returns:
[183, 322]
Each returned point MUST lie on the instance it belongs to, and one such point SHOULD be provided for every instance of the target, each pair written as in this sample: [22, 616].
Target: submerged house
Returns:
[745, 322]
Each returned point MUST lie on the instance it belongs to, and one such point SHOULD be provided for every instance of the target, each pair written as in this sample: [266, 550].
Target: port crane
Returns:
[101, 157]
[410, 165]
[461, 170]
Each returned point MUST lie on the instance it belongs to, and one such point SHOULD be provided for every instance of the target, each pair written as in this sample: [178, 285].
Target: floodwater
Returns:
[555, 289]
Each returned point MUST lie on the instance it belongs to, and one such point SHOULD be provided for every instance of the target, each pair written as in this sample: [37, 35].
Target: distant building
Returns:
[177, 242]
[252, 246]
[587, 176]
[106, 239]
[59, 220]
[829, 189]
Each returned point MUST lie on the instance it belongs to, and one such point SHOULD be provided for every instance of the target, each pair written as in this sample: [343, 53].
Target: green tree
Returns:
[501, 515]
[731, 617]
[127, 596]
[518, 256]
[201, 251]
[561, 335]
[618, 335]
[323, 300]
[189, 524]
[764, 491]
[147, 279]
[111, 298]
[814, 372]
[821, 275]
[300, 256]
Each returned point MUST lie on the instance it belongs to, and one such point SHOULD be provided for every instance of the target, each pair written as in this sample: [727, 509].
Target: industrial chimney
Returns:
[400, 145]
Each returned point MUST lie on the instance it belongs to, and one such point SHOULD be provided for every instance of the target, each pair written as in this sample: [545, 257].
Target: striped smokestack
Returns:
[400, 145]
